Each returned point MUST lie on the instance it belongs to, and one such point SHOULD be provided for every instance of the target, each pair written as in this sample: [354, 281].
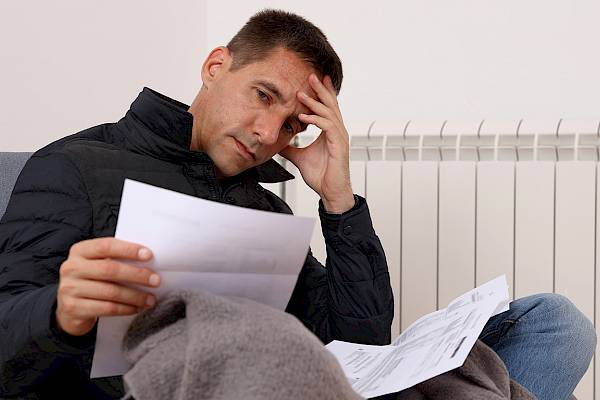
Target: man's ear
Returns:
[218, 61]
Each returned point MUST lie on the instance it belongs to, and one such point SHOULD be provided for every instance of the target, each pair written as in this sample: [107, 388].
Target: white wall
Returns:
[457, 60]
[66, 65]
[69, 64]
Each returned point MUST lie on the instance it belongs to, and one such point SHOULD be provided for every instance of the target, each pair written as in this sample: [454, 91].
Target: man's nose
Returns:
[267, 127]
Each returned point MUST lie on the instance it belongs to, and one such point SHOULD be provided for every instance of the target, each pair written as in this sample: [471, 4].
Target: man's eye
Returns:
[288, 127]
[262, 95]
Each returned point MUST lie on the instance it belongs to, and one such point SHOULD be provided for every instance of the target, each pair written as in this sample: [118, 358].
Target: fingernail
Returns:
[150, 301]
[144, 253]
[154, 280]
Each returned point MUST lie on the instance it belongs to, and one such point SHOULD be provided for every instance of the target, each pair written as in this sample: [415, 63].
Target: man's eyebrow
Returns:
[273, 89]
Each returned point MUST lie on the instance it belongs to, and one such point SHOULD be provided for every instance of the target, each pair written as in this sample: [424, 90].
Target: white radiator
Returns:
[455, 210]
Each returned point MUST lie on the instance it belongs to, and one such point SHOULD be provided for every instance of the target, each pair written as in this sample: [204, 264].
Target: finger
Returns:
[326, 97]
[293, 154]
[314, 105]
[322, 123]
[114, 271]
[333, 104]
[90, 308]
[111, 247]
[329, 84]
[334, 134]
[96, 290]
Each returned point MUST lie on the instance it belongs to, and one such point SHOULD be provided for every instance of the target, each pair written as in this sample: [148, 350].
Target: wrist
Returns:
[79, 342]
[72, 328]
[339, 205]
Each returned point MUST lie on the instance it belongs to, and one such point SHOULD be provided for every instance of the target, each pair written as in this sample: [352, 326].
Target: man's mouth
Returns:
[244, 150]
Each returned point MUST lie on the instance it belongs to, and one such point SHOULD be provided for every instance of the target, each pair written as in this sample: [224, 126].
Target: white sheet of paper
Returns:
[436, 343]
[204, 245]
[495, 287]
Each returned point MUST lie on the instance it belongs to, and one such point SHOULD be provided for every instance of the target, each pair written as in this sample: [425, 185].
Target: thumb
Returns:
[292, 154]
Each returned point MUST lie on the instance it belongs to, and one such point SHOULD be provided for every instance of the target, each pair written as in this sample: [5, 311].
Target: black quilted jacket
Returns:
[70, 191]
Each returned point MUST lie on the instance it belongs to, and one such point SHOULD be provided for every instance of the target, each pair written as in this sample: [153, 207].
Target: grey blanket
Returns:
[202, 346]
[483, 376]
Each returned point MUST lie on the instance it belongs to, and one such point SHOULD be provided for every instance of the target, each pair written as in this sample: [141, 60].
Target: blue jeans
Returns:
[545, 342]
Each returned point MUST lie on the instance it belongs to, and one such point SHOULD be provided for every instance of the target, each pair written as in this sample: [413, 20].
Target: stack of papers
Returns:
[432, 345]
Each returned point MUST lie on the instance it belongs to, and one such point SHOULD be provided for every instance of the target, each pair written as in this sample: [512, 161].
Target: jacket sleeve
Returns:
[350, 298]
[48, 211]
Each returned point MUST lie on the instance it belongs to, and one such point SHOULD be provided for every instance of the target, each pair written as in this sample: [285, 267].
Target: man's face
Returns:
[249, 115]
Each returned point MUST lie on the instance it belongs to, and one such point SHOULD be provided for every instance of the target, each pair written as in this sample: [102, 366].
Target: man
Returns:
[61, 270]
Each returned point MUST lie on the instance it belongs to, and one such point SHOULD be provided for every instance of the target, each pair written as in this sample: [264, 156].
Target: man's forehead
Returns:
[286, 71]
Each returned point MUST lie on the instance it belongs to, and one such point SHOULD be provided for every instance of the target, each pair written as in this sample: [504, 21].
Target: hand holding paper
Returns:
[204, 245]
[93, 283]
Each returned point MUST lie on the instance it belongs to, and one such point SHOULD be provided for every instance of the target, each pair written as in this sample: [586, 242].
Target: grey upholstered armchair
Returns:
[10, 167]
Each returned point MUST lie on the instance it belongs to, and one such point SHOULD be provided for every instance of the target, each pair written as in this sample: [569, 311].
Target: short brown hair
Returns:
[269, 29]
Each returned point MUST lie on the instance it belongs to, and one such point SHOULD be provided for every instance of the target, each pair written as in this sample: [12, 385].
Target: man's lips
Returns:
[244, 150]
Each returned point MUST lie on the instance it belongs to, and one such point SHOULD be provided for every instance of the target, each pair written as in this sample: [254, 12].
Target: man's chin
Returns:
[227, 170]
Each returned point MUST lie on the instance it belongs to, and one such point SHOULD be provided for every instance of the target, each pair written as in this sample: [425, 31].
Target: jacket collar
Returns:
[170, 124]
